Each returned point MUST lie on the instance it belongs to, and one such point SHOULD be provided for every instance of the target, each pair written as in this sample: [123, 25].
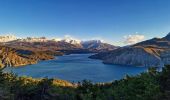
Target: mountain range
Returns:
[150, 53]
[43, 43]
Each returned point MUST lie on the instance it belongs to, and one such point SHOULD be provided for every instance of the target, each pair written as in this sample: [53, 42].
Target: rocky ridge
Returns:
[150, 53]
[11, 57]
[90, 46]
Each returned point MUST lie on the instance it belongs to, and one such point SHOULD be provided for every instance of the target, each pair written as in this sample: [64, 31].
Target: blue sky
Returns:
[110, 20]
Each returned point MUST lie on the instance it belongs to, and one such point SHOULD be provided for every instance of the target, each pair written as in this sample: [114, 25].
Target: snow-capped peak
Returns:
[71, 40]
[7, 38]
[92, 41]
[56, 39]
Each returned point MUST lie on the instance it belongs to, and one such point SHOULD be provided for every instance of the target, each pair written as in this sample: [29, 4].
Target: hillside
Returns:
[18, 57]
[153, 52]
[156, 43]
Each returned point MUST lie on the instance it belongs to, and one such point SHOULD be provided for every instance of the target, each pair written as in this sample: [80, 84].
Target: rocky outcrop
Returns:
[8, 58]
[18, 57]
[130, 56]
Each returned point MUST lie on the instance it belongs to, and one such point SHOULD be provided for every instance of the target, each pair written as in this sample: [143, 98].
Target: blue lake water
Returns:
[76, 67]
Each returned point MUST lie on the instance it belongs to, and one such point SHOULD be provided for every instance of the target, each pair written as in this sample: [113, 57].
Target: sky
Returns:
[118, 22]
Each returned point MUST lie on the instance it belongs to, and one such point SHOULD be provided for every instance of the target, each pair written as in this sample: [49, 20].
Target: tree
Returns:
[43, 88]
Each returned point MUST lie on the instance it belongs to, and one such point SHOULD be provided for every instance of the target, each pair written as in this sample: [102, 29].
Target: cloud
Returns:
[132, 39]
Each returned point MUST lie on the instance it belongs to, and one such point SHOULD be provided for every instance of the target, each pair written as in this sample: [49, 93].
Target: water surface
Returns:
[77, 67]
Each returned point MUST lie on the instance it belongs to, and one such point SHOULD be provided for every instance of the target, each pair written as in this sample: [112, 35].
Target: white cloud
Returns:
[132, 39]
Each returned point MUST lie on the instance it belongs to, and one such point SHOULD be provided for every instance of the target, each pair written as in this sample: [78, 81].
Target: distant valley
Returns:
[19, 52]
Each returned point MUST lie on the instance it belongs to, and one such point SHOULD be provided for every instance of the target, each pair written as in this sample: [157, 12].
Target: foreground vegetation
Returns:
[152, 85]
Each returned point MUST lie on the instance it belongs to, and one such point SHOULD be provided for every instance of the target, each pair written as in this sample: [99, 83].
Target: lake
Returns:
[76, 67]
